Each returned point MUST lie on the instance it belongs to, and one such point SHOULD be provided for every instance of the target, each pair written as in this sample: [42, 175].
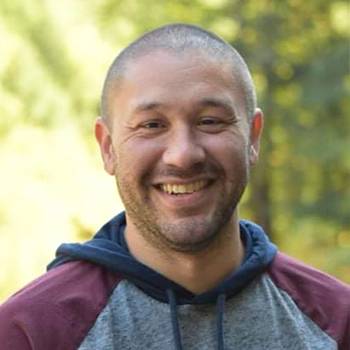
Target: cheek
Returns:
[230, 150]
[137, 157]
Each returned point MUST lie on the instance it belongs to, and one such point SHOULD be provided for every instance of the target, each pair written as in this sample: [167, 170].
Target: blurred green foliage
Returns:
[54, 56]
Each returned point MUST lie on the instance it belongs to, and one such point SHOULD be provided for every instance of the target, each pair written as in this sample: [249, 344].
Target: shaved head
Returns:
[179, 39]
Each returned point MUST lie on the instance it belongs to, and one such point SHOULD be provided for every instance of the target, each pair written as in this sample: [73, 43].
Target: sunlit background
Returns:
[53, 59]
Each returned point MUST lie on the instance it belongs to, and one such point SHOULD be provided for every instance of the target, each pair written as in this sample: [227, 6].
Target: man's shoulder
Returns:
[323, 298]
[294, 276]
[62, 303]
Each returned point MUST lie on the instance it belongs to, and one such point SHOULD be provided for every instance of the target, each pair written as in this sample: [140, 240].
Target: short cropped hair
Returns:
[179, 38]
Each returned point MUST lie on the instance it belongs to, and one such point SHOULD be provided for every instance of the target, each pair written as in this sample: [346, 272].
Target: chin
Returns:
[192, 234]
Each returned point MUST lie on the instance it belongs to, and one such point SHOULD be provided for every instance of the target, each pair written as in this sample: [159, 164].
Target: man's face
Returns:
[179, 148]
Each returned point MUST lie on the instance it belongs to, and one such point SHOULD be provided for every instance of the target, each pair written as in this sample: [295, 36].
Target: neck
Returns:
[198, 271]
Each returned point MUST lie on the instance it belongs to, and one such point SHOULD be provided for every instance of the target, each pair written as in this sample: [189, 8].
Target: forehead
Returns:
[173, 66]
[177, 79]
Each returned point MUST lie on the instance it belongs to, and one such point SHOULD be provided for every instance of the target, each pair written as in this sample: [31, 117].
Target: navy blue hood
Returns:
[108, 248]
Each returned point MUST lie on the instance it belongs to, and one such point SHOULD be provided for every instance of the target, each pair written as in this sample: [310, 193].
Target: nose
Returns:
[183, 149]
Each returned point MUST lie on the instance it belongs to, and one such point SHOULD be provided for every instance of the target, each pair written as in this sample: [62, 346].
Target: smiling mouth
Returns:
[181, 189]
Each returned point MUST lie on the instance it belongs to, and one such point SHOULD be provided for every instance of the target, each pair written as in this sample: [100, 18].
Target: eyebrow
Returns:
[218, 102]
[147, 106]
[204, 102]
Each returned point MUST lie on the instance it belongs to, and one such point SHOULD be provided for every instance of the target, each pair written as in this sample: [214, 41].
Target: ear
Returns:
[104, 140]
[255, 132]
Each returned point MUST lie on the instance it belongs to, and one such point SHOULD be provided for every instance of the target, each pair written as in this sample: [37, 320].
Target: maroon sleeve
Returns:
[57, 310]
[321, 297]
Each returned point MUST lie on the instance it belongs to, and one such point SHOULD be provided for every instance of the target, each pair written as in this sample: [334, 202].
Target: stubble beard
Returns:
[190, 234]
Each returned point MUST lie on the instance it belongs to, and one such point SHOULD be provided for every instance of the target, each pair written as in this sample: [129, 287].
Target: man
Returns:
[178, 270]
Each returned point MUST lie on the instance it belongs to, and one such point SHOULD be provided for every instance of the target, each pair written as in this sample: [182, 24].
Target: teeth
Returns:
[183, 188]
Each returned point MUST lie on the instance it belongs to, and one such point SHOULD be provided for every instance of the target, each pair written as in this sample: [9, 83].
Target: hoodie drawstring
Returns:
[175, 324]
[173, 315]
[220, 317]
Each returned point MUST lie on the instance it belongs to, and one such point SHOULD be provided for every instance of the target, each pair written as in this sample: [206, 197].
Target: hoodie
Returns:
[96, 295]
